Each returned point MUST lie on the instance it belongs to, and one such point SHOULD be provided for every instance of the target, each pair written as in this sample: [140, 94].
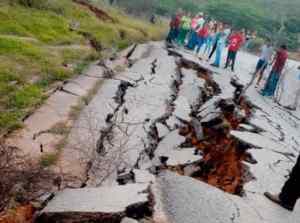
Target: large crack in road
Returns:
[206, 130]
[167, 112]
[222, 164]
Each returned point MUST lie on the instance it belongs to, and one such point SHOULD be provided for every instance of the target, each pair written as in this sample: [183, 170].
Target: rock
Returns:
[169, 143]
[104, 204]
[190, 170]
[129, 220]
[182, 157]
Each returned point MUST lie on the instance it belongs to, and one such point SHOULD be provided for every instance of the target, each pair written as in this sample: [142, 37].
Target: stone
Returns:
[99, 204]
[129, 220]
[182, 157]
[191, 169]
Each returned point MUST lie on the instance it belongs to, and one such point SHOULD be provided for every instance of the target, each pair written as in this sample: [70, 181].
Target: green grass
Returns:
[36, 44]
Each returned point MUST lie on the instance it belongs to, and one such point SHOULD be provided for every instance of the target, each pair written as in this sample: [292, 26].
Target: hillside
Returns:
[46, 42]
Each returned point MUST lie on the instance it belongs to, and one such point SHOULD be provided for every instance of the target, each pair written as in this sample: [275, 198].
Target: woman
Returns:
[210, 38]
[220, 45]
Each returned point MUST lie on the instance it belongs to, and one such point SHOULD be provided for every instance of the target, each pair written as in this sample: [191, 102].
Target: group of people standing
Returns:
[194, 33]
[212, 37]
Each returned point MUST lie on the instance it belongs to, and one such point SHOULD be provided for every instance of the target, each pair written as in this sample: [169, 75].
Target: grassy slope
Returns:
[35, 45]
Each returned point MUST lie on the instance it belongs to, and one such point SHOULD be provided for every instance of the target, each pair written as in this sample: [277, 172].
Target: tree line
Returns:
[275, 19]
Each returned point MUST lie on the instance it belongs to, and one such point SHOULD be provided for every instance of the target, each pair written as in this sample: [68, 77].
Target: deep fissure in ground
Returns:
[222, 164]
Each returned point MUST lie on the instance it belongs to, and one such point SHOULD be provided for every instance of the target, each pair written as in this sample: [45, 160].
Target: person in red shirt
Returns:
[279, 63]
[203, 33]
[236, 41]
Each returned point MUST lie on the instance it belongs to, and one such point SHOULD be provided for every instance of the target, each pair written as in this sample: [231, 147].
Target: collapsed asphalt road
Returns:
[173, 125]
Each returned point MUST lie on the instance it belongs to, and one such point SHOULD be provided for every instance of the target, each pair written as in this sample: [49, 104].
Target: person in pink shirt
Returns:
[196, 24]
[236, 40]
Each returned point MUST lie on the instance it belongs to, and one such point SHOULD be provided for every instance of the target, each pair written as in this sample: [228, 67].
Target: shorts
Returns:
[261, 65]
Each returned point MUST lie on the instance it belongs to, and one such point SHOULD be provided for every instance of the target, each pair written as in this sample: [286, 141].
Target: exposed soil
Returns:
[98, 12]
[222, 165]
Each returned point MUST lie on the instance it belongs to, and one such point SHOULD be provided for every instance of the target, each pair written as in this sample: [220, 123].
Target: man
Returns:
[236, 40]
[197, 23]
[263, 62]
[280, 60]
[297, 93]
[291, 190]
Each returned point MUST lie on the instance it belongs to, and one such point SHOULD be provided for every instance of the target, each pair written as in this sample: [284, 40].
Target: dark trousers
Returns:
[291, 190]
[173, 33]
[213, 49]
[231, 57]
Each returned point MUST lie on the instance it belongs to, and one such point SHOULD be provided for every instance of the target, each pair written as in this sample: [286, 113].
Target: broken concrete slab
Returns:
[129, 220]
[258, 141]
[188, 200]
[182, 157]
[162, 130]
[116, 202]
[182, 108]
[169, 143]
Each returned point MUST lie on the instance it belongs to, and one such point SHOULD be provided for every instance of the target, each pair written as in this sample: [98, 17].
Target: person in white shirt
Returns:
[263, 62]
[201, 21]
